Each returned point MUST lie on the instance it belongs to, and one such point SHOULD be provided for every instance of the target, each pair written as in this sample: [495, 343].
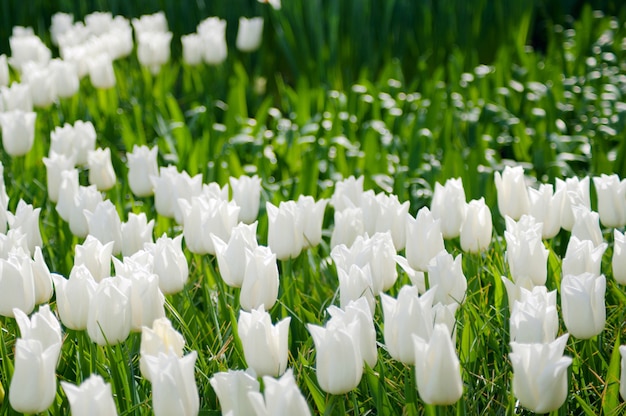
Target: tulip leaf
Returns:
[610, 395]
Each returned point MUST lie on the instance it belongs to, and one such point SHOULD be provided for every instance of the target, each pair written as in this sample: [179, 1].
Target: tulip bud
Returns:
[86, 199]
[280, 397]
[260, 282]
[446, 273]
[101, 71]
[60, 24]
[534, 317]
[142, 164]
[354, 283]
[586, 225]
[618, 261]
[169, 263]
[249, 34]
[135, 233]
[512, 193]
[204, 217]
[525, 252]
[174, 389]
[545, 207]
[192, 48]
[408, 315]
[265, 346]
[437, 368]
[212, 30]
[17, 284]
[147, 301]
[311, 216]
[170, 187]
[162, 338]
[540, 374]
[347, 227]
[582, 304]
[448, 205]
[105, 224]
[232, 389]
[42, 278]
[611, 200]
[95, 256]
[423, 239]
[101, 171]
[347, 194]
[27, 48]
[65, 78]
[55, 164]
[153, 50]
[92, 398]
[477, 227]
[110, 317]
[338, 361]
[26, 218]
[576, 193]
[73, 296]
[582, 256]
[384, 213]
[229, 255]
[40, 81]
[18, 132]
[247, 195]
[285, 231]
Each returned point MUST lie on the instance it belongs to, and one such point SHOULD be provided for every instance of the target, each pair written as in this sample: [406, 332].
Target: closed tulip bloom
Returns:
[477, 227]
[101, 71]
[583, 305]
[347, 193]
[285, 230]
[260, 282]
[213, 33]
[147, 301]
[249, 34]
[229, 255]
[110, 316]
[174, 389]
[101, 171]
[348, 225]
[135, 233]
[17, 97]
[448, 205]
[354, 283]
[169, 263]
[60, 24]
[618, 261]
[74, 140]
[622, 382]
[184, 187]
[105, 224]
[232, 389]
[512, 193]
[534, 317]
[55, 164]
[338, 360]
[65, 78]
[86, 199]
[265, 346]
[586, 225]
[582, 256]
[408, 315]
[28, 48]
[42, 278]
[192, 48]
[576, 193]
[95, 256]
[18, 132]
[204, 217]
[525, 252]
[142, 164]
[43, 326]
[540, 374]
[160, 338]
[423, 239]
[164, 186]
[437, 368]
[446, 273]
[17, 284]
[40, 81]
[73, 296]
[98, 23]
[92, 398]
[545, 207]
[446, 315]
[280, 397]
[26, 218]
[247, 195]
[153, 50]
[611, 200]
[311, 216]
[384, 213]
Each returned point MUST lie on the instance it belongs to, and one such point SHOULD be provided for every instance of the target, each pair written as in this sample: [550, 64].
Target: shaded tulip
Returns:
[611, 200]
[147, 301]
[101, 171]
[576, 193]
[150, 23]
[136, 232]
[260, 282]
[42, 277]
[582, 256]
[174, 389]
[477, 227]
[384, 213]
[204, 217]
[153, 50]
[17, 284]
[161, 338]
[534, 317]
[354, 283]
[586, 225]
[95, 256]
[423, 239]
[229, 255]
[618, 261]
[512, 192]
[18, 132]
[93, 397]
[17, 97]
[280, 397]
[540, 374]
[213, 33]
[348, 225]
[74, 140]
[448, 205]
[173, 186]
[311, 214]
[437, 368]
[285, 231]
[446, 274]
[55, 164]
[41, 84]
[338, 360]
[545, 207]
[26, 218]
[192, 48]
[4, 72]
[347, 194]
[446, 315]
[169, 263]
[408, 315]
[86, 199]
[73, 296]
[110, 316]
[583, 304]
[357, 311]
[105, 224]
[265, 346]
[232, 389]
[249, 34]
[142, 164]
[101, 71]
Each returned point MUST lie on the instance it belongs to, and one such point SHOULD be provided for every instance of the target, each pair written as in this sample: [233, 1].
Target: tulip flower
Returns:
[311, 214]
[611, 200]
[534, 317]
[212, 30]
[60, 23]
[582, 256]
[101, 71]
[204, 217]
[448, 205]
[74, 140]
[65, 78]
[86, 199]
[101, 171]
[26, 218]
[437, 368]
[55, 164]
[229, 255]
[265, 346]
[136, 232]
[174, 389]
[477, 227]
[384, 213]
[142, 164]
[525, 252]
[618, 261]
[622, 380]
[110, 317]
[99, 23]
[40, 81]
[17, 97]
[18, 132]
[233, 389]
[4, 71]
[249, 34]
[42, 327]
[338, 361]
[95, 256]
[446, 273]
[545, 207]
[583, 305]
[150, 23]
[260, 281]
[42, 278]
[446, 315]
[285, 230]
[161, 338]
[423, 239]
[153, 50]
[280, 397]
[354, 283]
[576, 193]
[512, 193]
[173, 186]
[17, 284]
[147, 301]
[586, 225]
[169, 263]
[409, 314]
[247, 195]
[540, 374]
[348, 226]
[347, 194]
[27, 48]
[92, 398]
[192, 48]
[73, 296]
[105, 224]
